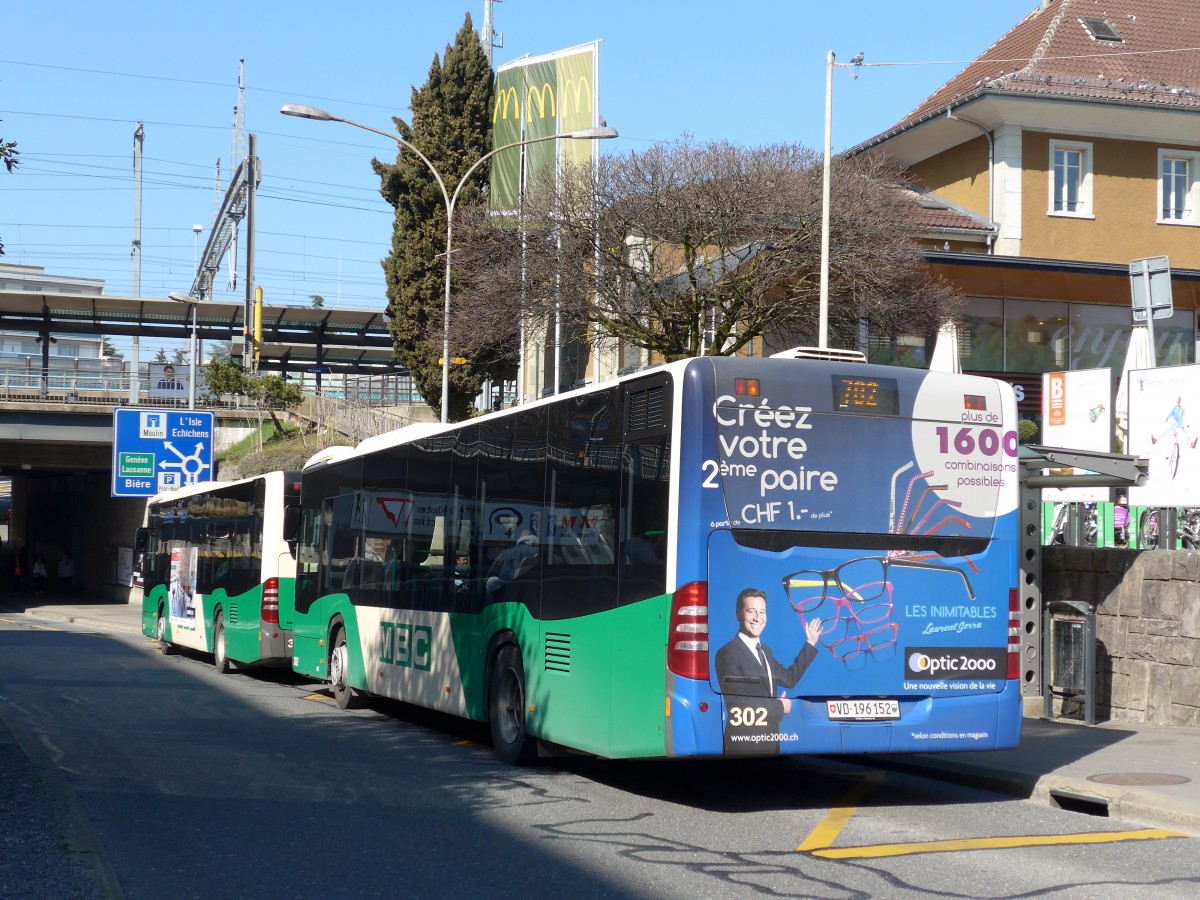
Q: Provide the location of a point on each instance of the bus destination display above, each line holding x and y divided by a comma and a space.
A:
871, 396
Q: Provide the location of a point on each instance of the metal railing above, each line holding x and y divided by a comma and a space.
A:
353, 419
355, 406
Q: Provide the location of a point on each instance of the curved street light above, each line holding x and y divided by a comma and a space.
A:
582, 134
195, 367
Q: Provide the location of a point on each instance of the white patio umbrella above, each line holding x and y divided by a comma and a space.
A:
945, 350
1136, 357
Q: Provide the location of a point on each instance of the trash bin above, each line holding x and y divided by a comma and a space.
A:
1069, 655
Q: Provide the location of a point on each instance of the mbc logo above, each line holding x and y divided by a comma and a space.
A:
407, 646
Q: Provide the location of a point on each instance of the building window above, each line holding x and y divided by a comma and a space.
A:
1070, 179
1177, 187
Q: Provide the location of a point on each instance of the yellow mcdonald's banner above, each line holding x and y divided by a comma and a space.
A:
576, 103
537, 97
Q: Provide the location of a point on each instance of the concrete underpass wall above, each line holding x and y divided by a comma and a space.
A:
76, 513
1147, 628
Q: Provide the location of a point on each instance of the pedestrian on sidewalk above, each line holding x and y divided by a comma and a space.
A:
39, 574
18, 568
66, 573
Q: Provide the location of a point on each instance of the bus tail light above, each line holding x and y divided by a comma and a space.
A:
687, 642
1014, 635
270, 601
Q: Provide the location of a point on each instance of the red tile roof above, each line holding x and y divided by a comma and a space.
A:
1051, 53
934, 214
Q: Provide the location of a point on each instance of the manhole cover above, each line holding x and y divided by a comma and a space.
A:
1139, 779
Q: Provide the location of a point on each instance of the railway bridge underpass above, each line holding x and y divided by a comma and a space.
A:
56, 413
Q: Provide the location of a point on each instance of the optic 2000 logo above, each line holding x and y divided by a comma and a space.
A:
942, 663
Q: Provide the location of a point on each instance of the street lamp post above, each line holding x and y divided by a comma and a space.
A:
195, 367
583, 134
823, 315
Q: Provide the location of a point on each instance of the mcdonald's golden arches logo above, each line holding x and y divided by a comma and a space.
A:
574, 90
540, 97
505, 96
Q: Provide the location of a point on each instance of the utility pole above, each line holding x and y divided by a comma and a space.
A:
252, 178
138, 134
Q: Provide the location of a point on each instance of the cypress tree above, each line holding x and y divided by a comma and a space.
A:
451, 125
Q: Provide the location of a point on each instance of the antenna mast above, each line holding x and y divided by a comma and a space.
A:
239, 154
489, 36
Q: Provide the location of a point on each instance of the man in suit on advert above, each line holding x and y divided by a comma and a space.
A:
753, 681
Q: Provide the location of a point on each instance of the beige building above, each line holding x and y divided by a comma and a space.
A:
1065, 151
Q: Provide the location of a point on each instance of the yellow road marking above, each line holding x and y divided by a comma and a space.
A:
835, 820
9, 621
993, 843
322, 697
819, 842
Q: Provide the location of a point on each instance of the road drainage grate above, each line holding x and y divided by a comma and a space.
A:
1080, 803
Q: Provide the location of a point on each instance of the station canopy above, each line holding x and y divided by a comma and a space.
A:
294, 338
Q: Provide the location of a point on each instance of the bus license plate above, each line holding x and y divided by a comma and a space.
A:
864, 710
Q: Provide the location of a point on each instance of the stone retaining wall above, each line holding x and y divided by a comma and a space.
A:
1147, 629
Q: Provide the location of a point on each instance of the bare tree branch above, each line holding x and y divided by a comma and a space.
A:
692, 248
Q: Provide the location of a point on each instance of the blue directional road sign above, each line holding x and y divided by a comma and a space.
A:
160, 450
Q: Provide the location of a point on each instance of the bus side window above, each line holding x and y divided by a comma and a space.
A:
644, 532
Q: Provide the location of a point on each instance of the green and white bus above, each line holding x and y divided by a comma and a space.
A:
594, 571
218, 575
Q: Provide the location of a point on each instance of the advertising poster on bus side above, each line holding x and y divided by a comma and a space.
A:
181, 593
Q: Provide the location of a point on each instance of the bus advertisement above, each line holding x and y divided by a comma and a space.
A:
869, 516
596, 571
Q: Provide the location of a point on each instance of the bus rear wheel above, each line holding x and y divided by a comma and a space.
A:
220, 659
165, 647
339, 672
506, 708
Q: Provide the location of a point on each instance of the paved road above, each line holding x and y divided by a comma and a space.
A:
180, 770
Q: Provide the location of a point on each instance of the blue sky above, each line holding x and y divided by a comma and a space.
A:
76, 78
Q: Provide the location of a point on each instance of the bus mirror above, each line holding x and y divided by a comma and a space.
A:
291, 524
139, 540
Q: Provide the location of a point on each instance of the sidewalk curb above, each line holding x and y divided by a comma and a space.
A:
73, 617
1112, 801
1128, 804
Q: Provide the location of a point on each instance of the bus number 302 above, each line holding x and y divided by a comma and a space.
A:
748, 715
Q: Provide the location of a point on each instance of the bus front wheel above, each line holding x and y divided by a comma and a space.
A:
220, 659
165, 647
339, 672
506, 708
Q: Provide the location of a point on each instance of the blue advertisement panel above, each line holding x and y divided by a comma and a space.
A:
158, 450
856, 527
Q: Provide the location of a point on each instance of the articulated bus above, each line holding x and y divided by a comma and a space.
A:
720, 556
218, 574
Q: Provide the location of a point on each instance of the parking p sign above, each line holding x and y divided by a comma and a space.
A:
160, 450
